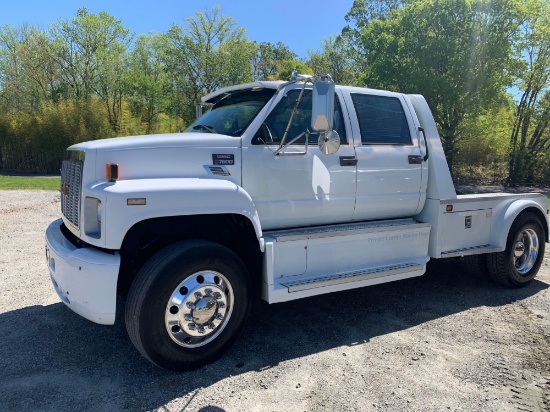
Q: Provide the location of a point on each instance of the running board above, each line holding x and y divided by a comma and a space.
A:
315, 260
357, 275
475, 250
347, 229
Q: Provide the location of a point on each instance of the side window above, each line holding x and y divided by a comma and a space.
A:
273, 128
381, 120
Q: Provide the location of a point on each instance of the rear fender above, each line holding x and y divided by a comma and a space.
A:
505, 215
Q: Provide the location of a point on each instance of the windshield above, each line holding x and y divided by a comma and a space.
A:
232, 113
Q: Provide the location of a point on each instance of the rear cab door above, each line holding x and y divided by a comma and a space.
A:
391, 170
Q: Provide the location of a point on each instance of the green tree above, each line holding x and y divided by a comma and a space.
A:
112, 81
91, 49
267, 61
483, 147
148, 80
361, 15
334, 59
28, 73
530, 137
457, 53
364, 12
286, 67
210, 52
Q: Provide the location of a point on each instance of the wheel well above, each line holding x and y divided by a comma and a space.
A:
149, 236
542, 218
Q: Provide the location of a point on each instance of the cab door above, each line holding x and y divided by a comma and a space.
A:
300, 187
389, 156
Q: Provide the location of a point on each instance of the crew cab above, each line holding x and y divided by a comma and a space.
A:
280, 191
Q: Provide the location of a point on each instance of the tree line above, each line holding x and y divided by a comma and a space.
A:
483, 66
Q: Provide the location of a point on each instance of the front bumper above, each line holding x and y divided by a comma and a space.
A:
84, 278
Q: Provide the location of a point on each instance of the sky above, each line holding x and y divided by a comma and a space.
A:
301, 25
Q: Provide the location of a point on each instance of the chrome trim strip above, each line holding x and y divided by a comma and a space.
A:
215, 170
475, 250
489, 196
357, 275
344, 230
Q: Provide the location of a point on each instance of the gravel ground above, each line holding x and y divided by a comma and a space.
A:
444, 341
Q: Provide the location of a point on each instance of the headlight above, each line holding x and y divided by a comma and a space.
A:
92, 217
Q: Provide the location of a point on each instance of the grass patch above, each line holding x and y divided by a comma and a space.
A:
29, 183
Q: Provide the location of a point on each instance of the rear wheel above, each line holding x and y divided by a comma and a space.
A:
187, 304
477, 265
518, 265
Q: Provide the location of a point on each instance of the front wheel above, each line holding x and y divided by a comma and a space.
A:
187, 304
518, 265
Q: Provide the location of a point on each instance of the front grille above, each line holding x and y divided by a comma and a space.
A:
71, 185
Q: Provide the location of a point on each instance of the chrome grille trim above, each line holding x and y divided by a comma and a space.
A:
217, 170
71, 186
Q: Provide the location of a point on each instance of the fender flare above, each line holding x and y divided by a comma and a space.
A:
173, 197
507, 213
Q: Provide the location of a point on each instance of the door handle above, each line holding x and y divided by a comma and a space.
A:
415, 160
348, 161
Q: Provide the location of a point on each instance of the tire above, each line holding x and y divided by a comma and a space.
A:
518, 265
188, 304
477, 265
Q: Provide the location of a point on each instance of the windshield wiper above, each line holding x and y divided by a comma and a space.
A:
209, 129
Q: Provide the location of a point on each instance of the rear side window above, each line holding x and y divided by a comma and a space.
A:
381, 120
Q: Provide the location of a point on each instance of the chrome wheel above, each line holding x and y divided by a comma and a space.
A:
199, 309
519, 263
526, 250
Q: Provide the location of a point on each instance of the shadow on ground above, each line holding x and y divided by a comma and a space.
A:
53, 359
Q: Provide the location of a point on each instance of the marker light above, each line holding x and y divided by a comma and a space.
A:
449, 208
111, 172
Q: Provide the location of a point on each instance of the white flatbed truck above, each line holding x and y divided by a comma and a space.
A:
280, 191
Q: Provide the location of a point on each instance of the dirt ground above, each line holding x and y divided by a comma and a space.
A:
444, 341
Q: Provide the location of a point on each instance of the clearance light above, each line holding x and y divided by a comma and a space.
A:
136, 201
111, 172
449, 208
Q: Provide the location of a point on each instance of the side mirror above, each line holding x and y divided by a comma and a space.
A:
322, 114
200, 109
322, 106
329, 142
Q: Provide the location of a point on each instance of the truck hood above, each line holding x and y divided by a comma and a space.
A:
163, 156
174, 140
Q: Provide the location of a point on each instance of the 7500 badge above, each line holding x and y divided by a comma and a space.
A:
223, 159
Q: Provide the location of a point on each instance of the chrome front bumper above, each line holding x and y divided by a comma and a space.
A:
84, 278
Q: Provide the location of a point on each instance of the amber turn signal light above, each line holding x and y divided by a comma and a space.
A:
111, 172
449, 208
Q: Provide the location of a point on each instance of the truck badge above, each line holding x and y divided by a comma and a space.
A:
223, 159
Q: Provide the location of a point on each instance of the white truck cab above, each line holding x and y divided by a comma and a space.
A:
279, 191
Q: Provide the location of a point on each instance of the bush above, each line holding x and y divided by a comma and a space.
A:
35, 142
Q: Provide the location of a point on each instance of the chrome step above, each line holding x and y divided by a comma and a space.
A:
342, 230
475, 250
357, 275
